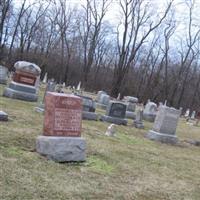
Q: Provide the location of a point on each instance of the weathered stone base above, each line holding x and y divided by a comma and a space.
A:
101, 106
20, 95
138, 124
130, 115
114, 120
3, 116
149, 117
165, 138
89, 115
62, 149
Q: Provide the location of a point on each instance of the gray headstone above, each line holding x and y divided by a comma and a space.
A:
104, 99
131, 107
116, 109
3, 74
131, 99
150, 111
193, 115
138, 121
165, 125
115, 113
99, 95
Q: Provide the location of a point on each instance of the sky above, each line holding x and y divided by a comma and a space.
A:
113, 14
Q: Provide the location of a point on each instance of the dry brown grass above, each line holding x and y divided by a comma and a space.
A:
128, 166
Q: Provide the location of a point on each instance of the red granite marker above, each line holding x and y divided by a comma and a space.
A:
63, 115
24, 78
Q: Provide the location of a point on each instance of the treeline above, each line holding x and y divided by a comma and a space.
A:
143, 53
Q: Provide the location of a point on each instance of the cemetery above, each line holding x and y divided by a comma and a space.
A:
61, 153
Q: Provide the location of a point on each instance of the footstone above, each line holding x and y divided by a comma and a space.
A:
130, 115
89, 116
62, 149
3, 116
165, 138
114, 120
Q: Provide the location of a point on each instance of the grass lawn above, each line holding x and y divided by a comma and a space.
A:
127, 166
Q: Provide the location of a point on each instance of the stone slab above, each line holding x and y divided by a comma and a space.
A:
130, 115
22, 88
89, 116
164, 138
20, 95
62, 149
3, 116
114, 120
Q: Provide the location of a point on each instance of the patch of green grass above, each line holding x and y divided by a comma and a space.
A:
99, 165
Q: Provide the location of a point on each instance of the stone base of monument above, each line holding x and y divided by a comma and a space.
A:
114, 120
161, 137
89, 116
149, 117
3, 116
130, 115
15, 94
138, 124
101, 106
62, 149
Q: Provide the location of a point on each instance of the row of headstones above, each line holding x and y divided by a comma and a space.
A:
61, 140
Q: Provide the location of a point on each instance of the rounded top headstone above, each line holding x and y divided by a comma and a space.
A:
27, 67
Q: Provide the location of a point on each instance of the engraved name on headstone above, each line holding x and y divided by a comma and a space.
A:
63, 115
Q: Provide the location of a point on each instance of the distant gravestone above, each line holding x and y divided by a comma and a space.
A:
89, 108
165, 124
25, 82
61, 140
130, 110
99, 95
103, 102
131, 99
150, 111
138, 123
51, 86
115, 113
193, 115
3, 75
3, 116
45, 78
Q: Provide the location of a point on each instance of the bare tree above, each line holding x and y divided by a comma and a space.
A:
137, 25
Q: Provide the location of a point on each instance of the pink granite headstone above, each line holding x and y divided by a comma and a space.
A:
63, 115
